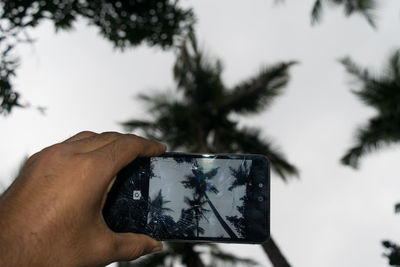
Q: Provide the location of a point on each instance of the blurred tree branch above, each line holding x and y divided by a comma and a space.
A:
199, 119
124, 23
393, 253
381, 92
363, 7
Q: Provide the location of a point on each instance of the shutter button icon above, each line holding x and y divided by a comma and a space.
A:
137, 194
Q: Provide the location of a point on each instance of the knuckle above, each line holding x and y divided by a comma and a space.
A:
54, 152
110, 135
32, 158
115, 149
85, 133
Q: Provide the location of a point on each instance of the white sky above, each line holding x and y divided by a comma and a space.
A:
332, 215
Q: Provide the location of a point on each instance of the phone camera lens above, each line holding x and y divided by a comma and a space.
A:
260, 185
260, 199
137, 194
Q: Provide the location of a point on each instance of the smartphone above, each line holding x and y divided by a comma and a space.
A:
193, 198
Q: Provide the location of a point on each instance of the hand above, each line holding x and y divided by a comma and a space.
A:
52, 214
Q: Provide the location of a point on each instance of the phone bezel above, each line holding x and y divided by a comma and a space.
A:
264, 220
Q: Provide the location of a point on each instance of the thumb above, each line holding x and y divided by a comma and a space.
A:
131, 246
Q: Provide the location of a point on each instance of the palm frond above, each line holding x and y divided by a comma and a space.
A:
365, 8
158, 101
316, 12
132, 125
196, 121
248, 140
219, 257
198, 76
380, 131
393, 68
397, 208
392, 252
380, 92
258, 92
354, 69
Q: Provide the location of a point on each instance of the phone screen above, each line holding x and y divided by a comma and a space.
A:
201, 195
192, 197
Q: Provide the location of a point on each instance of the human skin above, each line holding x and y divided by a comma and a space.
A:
52, 213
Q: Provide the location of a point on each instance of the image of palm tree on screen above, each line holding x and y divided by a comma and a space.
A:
200, 181
241, 176
194, 198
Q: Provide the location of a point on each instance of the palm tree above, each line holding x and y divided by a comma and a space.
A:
196, 212
159, 223
185, 253
241, 179
200, 183
381, 92
362, 7
199, 117
393, 254
124, 23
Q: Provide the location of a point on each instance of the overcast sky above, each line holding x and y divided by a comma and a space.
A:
332, 215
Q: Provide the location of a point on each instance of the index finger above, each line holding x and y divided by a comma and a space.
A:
125, 149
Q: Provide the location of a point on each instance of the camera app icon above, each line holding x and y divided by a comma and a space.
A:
137, 194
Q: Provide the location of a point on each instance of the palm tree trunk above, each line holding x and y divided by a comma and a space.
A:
190, 257
274, 254
221, 221
271, 249
197, 224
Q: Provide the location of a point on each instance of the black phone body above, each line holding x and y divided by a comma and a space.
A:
193, 197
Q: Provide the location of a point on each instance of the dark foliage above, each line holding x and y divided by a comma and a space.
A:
200, 183
159, 223
200, 121
162, 225
381, 92
241, 175
363, 7
8, 65
191, 216
393, 253
199, 118
185, 253
239, 222
124, 23
241, 178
